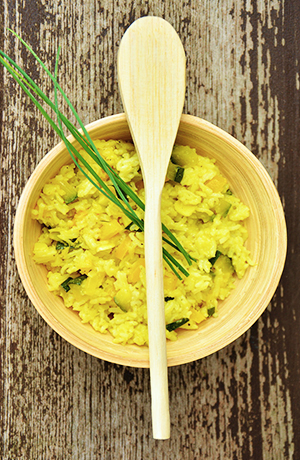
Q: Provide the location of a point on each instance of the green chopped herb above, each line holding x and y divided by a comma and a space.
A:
78, 280
214, 259
169, 298
175, 172
65, 284
179, 174
211, 311
229, 192
60, 245
180, 322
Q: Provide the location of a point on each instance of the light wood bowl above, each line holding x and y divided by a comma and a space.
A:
267, 242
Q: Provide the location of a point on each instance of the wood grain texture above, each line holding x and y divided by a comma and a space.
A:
240, 403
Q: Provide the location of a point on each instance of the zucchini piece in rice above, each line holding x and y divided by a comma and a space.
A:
118, 302
214, 259
223, 268
223, 207
123, 299
70, 194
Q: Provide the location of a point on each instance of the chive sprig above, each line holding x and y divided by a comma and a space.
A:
123, 190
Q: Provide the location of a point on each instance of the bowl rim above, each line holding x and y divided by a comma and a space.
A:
184, 358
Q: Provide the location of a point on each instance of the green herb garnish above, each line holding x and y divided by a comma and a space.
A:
179, 174
175, 172
180, 322
60, 245
119, 196
169, 298
123, 191
78, 280
211, 311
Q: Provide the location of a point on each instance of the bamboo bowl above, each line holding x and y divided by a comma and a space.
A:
267, 242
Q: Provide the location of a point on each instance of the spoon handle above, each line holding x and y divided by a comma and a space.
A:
156, 317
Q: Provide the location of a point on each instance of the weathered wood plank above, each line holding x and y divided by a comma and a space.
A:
242, 402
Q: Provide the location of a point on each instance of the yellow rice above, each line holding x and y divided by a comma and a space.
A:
201, 212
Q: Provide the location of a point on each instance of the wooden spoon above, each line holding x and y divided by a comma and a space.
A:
151, 74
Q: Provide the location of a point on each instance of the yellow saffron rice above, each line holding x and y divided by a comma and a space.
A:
87, 237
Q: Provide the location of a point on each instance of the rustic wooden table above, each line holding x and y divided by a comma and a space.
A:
59, 403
